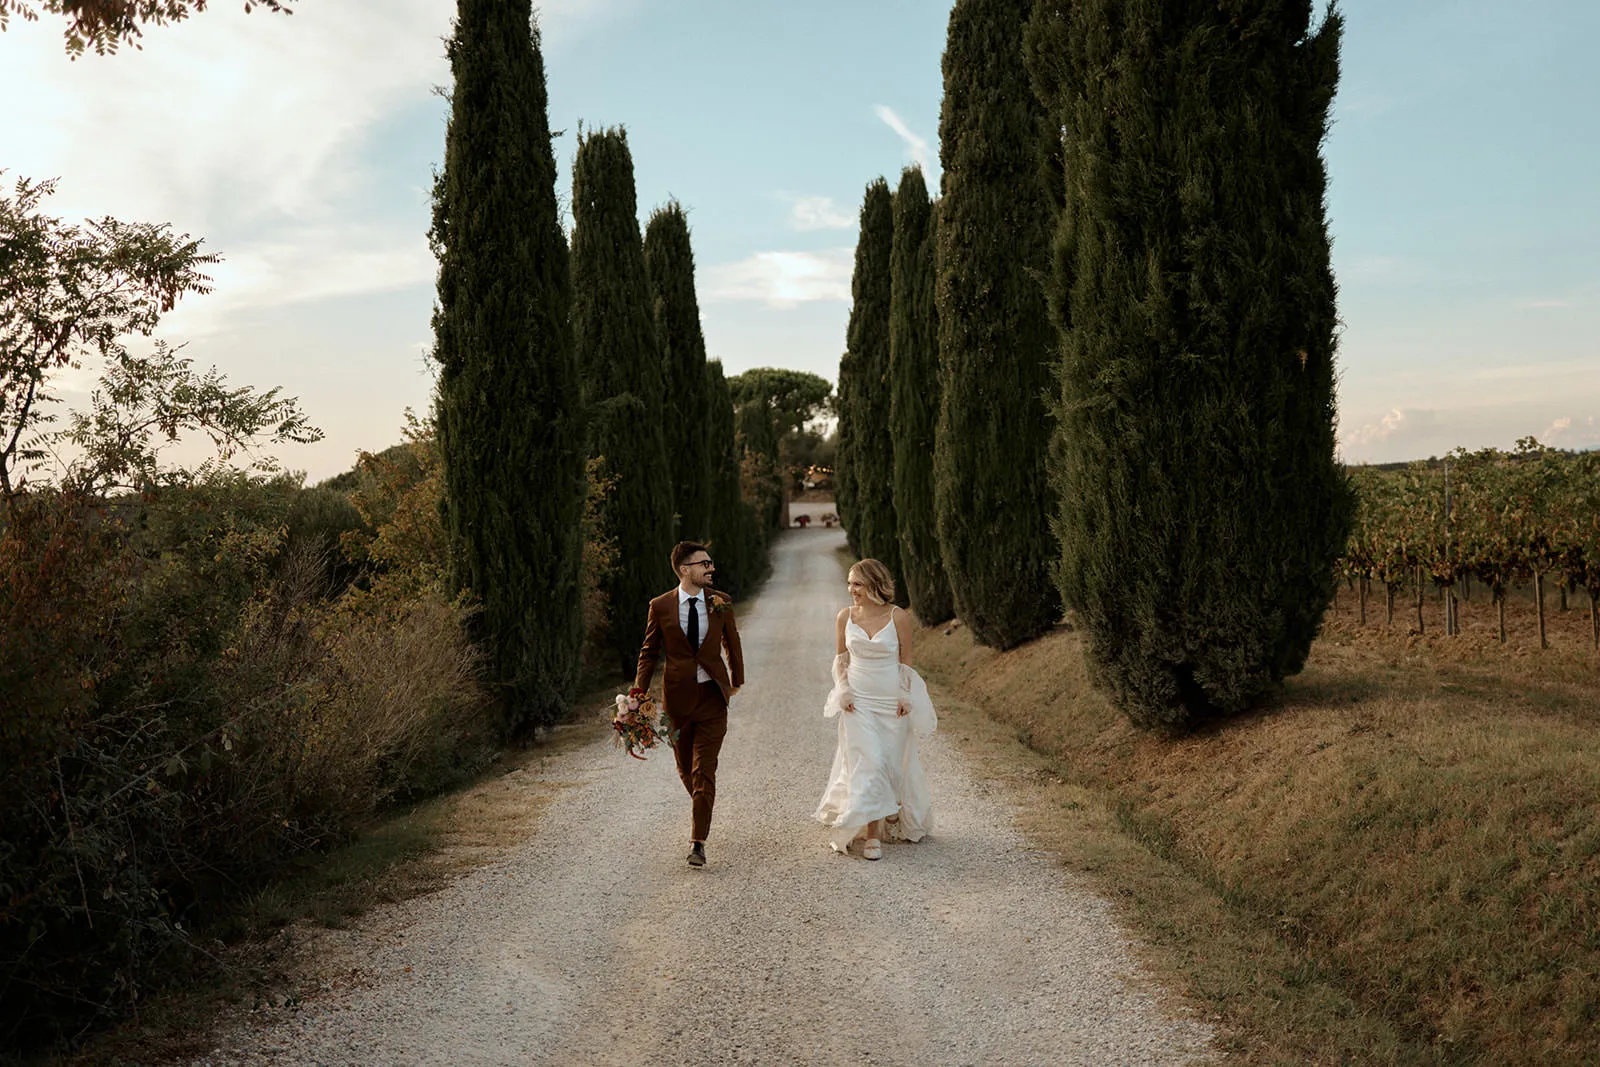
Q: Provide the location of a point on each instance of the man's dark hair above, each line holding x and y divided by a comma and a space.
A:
683, 550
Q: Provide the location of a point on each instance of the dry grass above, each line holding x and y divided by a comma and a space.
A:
1400, 863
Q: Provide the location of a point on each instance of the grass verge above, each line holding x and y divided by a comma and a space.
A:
1400, 863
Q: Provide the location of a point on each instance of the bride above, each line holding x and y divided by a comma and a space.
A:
877, 788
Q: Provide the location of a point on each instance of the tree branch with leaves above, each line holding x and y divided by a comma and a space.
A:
103, 25
74, 292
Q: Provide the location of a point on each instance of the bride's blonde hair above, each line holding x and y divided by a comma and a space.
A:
877, 579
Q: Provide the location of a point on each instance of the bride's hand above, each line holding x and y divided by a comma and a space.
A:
902, 709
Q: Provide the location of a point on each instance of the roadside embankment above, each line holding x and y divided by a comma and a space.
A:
1398, 863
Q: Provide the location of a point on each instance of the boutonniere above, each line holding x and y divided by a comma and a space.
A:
720, 603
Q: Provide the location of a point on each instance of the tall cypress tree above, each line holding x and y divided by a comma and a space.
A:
614, 325
509, 418
844, 470
914, 398
872, 447
995, 341
737, 542
1201, 507
670, 261
763, 474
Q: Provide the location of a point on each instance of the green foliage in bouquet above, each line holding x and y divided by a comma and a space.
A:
1201, 510
993, 500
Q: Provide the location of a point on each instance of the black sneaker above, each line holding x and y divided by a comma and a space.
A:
697, 854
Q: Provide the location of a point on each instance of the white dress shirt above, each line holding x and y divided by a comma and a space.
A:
700, 674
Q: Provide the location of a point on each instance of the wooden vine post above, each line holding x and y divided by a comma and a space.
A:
1421, 629
1538, 599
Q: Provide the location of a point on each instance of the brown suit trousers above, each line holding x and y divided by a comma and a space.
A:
699, 743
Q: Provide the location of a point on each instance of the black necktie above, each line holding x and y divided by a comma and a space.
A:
694, 623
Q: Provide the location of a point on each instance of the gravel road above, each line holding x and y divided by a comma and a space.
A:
594, 943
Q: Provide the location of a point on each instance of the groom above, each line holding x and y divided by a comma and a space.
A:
689, 627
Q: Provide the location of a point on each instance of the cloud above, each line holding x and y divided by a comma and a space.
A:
299, 267
224, 117
1543, 304
272, 137
1567, 432
784, 279
916, 147
1412, 433
1397, 422
1379, 270
819, 213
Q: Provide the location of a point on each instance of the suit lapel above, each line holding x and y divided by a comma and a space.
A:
670, 623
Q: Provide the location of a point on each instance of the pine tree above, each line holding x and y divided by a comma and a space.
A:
1201, 509
737, 543
669, 258
995, 342
614, 325
508, 412
872, 447
914, 398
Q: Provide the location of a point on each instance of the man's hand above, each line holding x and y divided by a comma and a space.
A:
733, 691
902, 709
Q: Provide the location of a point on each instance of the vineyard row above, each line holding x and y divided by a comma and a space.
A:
1502, 520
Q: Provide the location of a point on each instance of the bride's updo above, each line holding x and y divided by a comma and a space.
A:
876, 578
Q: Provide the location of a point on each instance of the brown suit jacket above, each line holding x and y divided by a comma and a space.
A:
665, 640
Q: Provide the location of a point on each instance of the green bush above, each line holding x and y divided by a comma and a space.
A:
185, 708
318, 519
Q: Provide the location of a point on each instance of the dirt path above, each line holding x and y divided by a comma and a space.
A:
594, 943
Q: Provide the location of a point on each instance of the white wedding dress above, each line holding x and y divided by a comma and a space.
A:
877, 772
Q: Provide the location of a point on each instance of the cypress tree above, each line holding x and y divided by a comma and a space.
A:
736, 540
844, 472
1201, 507
872, 448
669, 259
614, 325
509, 420
996, 345
758, 441
914, 398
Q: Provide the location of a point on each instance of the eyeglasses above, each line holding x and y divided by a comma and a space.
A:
699, 563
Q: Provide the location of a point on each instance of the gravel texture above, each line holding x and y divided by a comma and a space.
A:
594, 942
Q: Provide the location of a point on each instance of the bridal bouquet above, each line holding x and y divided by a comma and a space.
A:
640, 726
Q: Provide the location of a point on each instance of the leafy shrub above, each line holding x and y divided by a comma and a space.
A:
318, 519
185, 706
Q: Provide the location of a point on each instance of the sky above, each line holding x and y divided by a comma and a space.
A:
1463, 162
